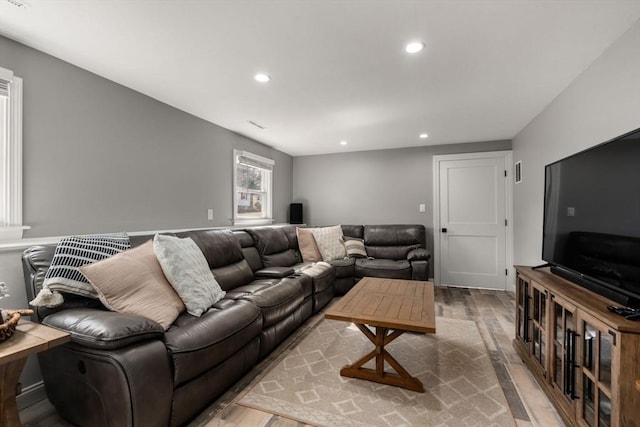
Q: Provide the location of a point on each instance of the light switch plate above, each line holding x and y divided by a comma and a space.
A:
422, 207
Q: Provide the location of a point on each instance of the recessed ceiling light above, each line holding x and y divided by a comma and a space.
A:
414, 47
262, 78
343, 142
424, 136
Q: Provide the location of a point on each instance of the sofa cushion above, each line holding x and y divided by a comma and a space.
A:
249, 250
393, 241
419, 254
274, 248
103, 329
188, 272
344, 267
132, 282
330, 243
392, 269
71, 253
220, 247
276, 298
233, 275
322, 274
274, 272
196, 344
356, 231
307, 244
394, 235
224, 255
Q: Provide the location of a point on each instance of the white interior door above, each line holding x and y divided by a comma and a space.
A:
472, 229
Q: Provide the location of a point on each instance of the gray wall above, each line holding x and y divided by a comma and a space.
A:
99, 157
374, 187
603, 102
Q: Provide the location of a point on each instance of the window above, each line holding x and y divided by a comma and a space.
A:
253, 189
10, 156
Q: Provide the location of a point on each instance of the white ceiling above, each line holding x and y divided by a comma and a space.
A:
338, 68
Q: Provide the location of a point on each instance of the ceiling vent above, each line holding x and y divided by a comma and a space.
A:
18, 3
256, 125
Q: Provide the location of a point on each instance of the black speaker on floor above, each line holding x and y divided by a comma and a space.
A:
295, 213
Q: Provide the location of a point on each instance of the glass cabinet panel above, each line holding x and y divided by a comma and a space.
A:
604, 414
588, 401
522, 310
597, 347
589, 347
604, 369
539, 347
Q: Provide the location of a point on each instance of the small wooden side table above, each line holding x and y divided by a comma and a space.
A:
29, 338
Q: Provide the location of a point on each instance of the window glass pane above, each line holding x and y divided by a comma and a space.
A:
252, 187
249, 177
250, 204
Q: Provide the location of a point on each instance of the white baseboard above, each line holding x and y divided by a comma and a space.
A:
31, 395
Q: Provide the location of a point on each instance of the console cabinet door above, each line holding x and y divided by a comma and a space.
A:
597, 354
523, 310
563, 339
538, 345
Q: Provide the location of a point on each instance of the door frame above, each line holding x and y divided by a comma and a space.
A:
507, 156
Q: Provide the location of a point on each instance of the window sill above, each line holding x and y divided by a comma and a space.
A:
250, 222
12, 233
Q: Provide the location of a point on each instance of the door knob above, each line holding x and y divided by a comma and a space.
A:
444, 230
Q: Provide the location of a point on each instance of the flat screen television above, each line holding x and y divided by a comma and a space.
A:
591, 232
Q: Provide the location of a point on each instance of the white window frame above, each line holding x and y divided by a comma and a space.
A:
11, 226
267, 217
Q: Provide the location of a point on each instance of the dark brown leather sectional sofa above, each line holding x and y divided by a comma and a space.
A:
125, 370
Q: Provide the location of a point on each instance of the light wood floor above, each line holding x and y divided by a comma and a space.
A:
493, 312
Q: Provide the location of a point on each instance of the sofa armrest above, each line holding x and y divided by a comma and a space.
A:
274, 272
419, 254
105, 330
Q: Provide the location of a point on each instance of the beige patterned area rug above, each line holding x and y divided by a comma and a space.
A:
461, 387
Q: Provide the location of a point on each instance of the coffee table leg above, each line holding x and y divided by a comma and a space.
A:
380, 339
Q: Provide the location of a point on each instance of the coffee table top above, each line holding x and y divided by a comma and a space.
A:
391, 303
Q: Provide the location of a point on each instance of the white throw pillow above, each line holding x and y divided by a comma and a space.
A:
186, 268
330, 243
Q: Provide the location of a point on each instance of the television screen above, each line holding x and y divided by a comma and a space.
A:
591, 231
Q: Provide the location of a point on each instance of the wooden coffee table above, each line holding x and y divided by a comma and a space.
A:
391, 307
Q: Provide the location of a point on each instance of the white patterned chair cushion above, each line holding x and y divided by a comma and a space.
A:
330, 243
186, 268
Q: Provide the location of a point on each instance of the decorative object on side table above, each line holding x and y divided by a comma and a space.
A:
28, 338
9, 318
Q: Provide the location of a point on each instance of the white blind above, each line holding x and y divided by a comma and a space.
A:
253, 160
4, 87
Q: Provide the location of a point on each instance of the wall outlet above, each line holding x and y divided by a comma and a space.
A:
210, 214
422, 208
571, 211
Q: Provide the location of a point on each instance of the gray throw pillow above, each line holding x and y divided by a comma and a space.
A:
186, 268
